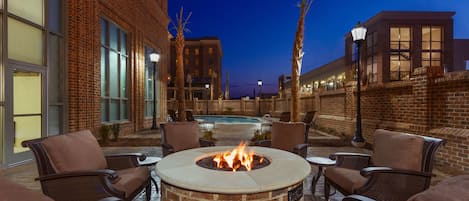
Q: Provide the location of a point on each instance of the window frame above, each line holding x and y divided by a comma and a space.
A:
123, 99
371, 53
431, 51
400, 52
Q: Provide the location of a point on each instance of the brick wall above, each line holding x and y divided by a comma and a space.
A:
146, 24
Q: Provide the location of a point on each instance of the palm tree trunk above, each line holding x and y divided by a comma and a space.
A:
297, 61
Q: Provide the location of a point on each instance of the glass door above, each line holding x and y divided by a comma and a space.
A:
26, 119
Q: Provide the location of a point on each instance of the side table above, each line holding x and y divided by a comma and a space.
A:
320, 162
151, 161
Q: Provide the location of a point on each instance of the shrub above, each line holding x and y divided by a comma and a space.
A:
104, 132
261, 136
115, 131
208, 135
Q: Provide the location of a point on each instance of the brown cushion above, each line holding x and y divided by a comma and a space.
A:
286, 135
182, 135
131, 179
10, 191
397, 150
74, 152
348, 179
451, 189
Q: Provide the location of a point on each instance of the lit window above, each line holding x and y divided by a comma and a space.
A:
400, 57
197, 61
186, 51
372, 58
186, 61
432, 42
210, 50
196, 51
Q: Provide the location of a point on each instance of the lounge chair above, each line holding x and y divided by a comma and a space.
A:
178, 136
400, 167
288, 136
73, 167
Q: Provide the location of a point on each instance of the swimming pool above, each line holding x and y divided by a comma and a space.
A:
226, 119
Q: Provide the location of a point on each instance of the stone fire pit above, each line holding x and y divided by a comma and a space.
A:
182, 179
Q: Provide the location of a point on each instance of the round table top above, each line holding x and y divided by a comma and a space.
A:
179, 169
320, 161
150, 161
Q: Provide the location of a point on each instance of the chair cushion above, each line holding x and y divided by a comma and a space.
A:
10, 191
131, 179
182, 135
451, 189
398, 150
348, 179
74, 152
286, 136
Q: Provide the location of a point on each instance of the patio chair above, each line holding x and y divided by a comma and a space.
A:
450, 189
178, 136
73, 167
288, 136
400, 167
308, 119
189, 116
285, 117
173, 115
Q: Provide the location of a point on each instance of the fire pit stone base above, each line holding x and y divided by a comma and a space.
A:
174, 193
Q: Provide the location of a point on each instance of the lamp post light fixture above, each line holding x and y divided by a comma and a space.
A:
154, 58
358, 35
259, 83
207, 87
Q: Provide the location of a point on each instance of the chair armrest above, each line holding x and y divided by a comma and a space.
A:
384, 183
206, 143
124, 161
167, 149
301, 150
107, 173
369, 171
93, 185
357, 198
263, 143
356, 161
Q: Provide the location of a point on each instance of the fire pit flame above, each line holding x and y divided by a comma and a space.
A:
236, 158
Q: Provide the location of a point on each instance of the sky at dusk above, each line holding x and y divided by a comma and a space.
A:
257, 35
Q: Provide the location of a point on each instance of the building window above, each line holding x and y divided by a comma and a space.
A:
467, 64
114, 58
210, 50
432, 41
149, 79
196, 51
372, 59
400, 58
186, 51
197, 62
186, 61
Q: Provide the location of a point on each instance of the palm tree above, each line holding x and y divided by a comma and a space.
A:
179, 44
297, 60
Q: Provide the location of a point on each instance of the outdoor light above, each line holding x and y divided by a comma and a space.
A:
207, 86
154, 58
259, 83
358, 34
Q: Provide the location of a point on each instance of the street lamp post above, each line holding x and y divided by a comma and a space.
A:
359, 35
259, 83
207, 87
154, 58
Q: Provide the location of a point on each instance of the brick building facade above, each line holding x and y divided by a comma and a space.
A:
202, 65
73, 65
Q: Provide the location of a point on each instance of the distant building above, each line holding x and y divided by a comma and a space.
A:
202, 65
396, 44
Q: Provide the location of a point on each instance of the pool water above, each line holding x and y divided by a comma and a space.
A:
226, 119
